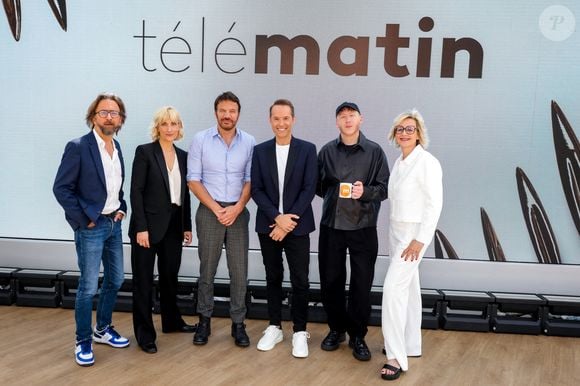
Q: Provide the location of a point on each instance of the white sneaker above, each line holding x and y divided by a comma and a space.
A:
300, 344
272, 336
109, 336
84, 353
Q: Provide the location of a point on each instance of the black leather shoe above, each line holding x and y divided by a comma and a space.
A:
187, 328
239, 334
360, 349
203, 331
332, 340
149, 348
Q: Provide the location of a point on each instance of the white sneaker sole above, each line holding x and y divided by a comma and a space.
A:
270, 347
299, 355
84, 363
109, 343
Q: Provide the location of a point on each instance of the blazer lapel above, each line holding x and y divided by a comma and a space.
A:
292, 157
158, 153
183, 171
96, 154
121, 160
272, 164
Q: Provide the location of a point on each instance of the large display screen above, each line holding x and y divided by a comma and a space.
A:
496, 81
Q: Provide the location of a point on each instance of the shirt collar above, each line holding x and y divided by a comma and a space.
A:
215, 132
361, 143
414, 154
101, 142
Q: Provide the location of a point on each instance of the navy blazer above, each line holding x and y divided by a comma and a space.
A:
150, 195
300, 181
80, 186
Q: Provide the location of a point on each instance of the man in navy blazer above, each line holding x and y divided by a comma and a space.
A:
284, 176
88, 185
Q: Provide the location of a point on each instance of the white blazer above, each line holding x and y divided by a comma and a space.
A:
416, 192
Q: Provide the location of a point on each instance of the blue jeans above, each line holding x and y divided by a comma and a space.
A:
104, 243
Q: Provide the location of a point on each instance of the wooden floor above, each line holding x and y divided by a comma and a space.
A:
37, 344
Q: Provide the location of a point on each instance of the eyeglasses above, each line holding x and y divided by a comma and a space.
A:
105, 113
408, 129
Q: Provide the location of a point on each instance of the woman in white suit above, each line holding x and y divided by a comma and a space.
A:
416, 198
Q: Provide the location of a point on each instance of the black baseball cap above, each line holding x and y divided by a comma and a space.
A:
347, 105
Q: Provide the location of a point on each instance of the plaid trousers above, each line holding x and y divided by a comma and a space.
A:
211, 237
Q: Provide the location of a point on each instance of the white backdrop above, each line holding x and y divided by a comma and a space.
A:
481, 128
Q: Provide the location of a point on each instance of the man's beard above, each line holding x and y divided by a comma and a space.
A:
227, 125
108, 130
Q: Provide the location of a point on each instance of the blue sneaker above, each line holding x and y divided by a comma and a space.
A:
84, 353
109, 336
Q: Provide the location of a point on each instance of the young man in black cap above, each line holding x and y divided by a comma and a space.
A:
353, 178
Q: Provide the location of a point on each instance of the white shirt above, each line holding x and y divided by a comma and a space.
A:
416, 192
175, 182
281, 160
113, 175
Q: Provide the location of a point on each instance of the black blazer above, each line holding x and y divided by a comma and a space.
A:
150, 197
300, 181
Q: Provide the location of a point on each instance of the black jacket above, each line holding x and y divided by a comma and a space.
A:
366, 162
150, 199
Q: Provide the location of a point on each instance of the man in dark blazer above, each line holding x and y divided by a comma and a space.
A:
160, 224
284, 176
88, 186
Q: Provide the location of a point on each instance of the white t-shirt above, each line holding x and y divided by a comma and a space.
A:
281, 160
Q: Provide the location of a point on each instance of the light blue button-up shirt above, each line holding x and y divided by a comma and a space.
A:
222, 170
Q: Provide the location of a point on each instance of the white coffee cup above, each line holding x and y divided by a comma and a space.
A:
345, 190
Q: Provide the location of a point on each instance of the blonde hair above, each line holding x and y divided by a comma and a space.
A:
415, 115
166, 113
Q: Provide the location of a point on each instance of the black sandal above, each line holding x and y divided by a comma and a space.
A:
391, 377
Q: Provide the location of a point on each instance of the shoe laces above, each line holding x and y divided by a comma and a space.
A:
85, 346
272, 330
111, 331
302, 333
334, 334
360, 343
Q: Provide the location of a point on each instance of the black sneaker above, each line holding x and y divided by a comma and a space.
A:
332, 340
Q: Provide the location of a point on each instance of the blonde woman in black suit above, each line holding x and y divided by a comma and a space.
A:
160, 224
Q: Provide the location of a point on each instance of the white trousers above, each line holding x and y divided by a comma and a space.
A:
402, 309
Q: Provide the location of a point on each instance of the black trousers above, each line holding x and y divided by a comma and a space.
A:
297, 250
168, 252
362, 245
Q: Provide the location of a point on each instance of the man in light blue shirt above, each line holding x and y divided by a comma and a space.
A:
218, 174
